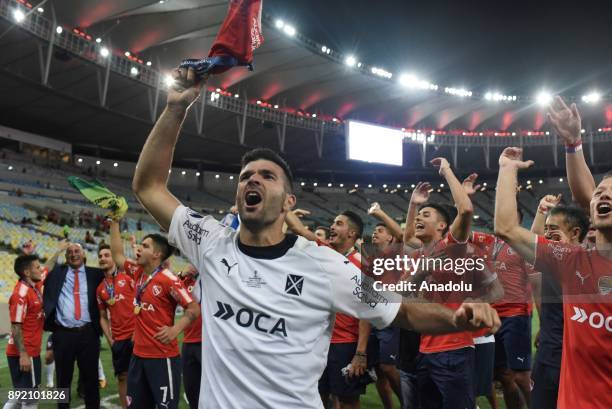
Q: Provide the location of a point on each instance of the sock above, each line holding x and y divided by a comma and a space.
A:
101, 375
49, 370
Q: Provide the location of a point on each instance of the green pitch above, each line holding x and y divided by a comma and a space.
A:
110, 398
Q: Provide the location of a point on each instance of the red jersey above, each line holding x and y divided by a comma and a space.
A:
193, 333
346, 328
121, 310
512, 271
158, 301
586, 280
26, 308
457, 340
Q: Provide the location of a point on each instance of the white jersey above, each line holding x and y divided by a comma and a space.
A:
268, 313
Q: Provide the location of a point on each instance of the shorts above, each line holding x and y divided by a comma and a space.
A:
22, 379
332, 381
50, 342
122, 354
545, 386
446, 379
385, 346
513, 343
154, 382
484, 363
191, 362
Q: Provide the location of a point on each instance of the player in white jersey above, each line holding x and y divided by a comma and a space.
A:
268, 299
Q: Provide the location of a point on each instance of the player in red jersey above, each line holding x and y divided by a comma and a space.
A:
349, 341
191, 350
446, 367
154, 370
586, 283
115, 297
27, 319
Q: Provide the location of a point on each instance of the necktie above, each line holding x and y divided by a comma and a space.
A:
77, 298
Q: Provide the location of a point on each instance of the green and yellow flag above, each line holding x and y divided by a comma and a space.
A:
98, 194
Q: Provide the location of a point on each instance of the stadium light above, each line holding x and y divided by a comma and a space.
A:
356, 186
98, 162
412, 186
104, 52
18, 15
217, 176
329, 185
399, 186
279, 24
127, 53
544, 98
591, 98
302, 184
350, 61
134, 71
276, 106
231, 177
341, 184
289, 30
384, 186
10, 168
183, 173
98, 40
561, 180
370, 186
59, 29
198, 174
40, 10
168, 80
115, 164
149, 63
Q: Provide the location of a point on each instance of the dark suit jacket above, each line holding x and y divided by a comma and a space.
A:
53, 288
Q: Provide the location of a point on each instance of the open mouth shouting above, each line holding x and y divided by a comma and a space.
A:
252, 199
603, 209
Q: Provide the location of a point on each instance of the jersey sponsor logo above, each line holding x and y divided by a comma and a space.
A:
294, 284
559, 251
246, 318
228, 265
605, 285
595, 319
194, 231
156, 290
146, 306
255, 281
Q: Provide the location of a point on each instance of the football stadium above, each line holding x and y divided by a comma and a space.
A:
254, 204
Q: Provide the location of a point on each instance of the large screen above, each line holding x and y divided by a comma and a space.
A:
374, 143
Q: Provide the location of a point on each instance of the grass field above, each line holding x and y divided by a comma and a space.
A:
110, 399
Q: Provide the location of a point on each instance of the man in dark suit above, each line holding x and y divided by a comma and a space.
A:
71, 313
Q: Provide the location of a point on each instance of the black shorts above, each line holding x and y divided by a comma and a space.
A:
484, 363
24, 379
191, 362
446, 379
545, 388
122, 354
332, 381
385, 346
154, 382
513, 343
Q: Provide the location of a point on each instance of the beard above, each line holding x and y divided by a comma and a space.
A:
263, 218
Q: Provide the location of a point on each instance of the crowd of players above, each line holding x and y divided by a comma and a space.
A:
282, 312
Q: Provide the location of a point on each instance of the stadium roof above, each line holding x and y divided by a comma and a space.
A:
290, 71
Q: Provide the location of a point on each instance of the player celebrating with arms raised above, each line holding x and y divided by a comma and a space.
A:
269, 298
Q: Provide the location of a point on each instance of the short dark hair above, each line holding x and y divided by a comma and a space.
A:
161, 243
270, 155
355, 220
22, 263
447, 212
103, 246
574, 217
325, 229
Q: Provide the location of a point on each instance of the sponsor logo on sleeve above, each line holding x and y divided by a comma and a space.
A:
194, 231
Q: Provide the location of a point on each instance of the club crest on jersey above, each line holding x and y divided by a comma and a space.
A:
156, 290
121, 283
294, 284
605, 285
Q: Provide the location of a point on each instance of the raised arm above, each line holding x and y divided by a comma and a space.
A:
295, 224
547, 203
116, 244
150, 182
376, 211
420, 195
567, 124
460, 229
507, 226
61, 248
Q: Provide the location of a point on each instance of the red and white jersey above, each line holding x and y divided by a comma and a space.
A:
454, 341
193, 332
26, 308
158, 303
346, 328
512, 271
121, 310
586, 280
